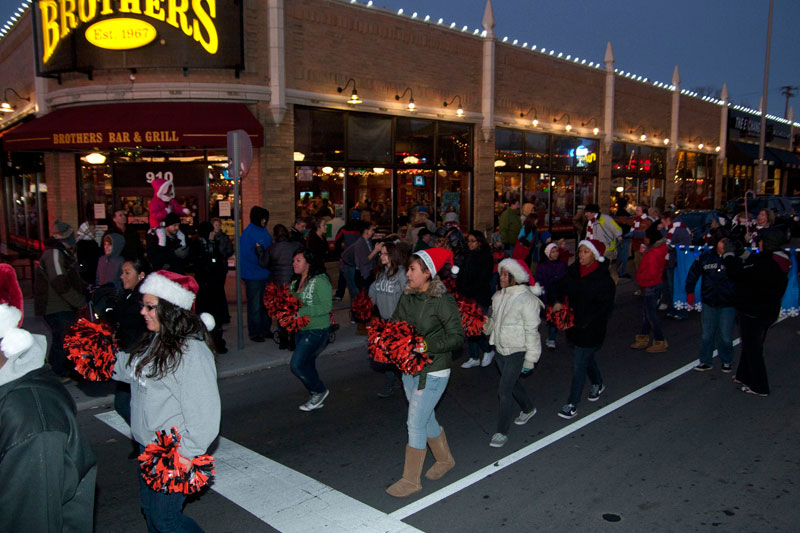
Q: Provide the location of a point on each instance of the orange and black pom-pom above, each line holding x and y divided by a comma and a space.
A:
162, 471
287, 314
563, 319
472, 317
92, 348
274, 296
398, 343
362, 307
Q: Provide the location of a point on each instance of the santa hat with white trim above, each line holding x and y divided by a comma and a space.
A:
177, 289
435, 258
597, 248
521, 272
14, 339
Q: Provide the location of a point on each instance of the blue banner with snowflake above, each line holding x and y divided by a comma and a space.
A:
686, 255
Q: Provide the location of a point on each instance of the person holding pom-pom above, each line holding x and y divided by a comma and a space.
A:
173, 384
427, 306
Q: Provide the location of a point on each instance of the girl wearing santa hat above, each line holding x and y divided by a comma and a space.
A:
590, 291
513, 330
173, 382
433, 312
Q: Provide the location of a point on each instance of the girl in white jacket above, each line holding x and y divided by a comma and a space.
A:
513, 329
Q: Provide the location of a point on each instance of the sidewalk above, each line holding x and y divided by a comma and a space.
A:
254, 356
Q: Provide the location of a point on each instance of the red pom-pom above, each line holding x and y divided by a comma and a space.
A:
163, 472
287, 313
563, 319
450, 284
472, 317
274, 296
92, 348
362, 307
398, 343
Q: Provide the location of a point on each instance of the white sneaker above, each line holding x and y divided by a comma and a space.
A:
498, 440
663, 307
471, 363
637, 292
551, 344
315, 402
487, 359
523, 417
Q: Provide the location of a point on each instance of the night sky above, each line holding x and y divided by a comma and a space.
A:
712, 41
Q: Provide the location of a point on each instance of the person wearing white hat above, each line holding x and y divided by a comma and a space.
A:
46, 464
433, 312
173, 381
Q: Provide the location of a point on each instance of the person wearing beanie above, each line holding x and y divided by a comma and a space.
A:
718, 313
255, 276
310, 285
173, 379
433, 312
588, 289
46, 464
474, 283
548, 272
58, 292
760, 283
513, 329
649, 276
166, 246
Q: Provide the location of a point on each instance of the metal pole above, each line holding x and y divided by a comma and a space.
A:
236, 233
762, 168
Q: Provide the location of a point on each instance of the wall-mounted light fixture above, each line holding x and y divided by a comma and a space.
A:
596, 130
535, 120
95, 158
5, 106
411, 105
568, 127
691, 142
643, 136
459, 110
354, 99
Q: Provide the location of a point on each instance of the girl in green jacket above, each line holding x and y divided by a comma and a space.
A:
433, 312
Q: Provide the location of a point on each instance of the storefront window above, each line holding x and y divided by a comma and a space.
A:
454, 144
508, 149
318, 135
694, 181
563, 202
414, 189
506, 188
97, 193
452, 192
369, 190
369, 139
314, 185
414, 142
537, 193
26, 200
537, 151
637, 175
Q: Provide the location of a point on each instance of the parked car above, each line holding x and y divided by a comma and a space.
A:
698, 222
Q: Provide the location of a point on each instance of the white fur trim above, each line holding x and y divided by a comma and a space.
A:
208, 320
587, 243
9, 318
513, 267
537, 289
455, 270
161, 287
15, 341
426, 258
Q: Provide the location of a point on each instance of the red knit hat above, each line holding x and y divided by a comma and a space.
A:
597, 248
14, 339
436, 258
177, 289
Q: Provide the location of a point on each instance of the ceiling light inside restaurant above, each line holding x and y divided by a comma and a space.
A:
95, 158
299, 156
327, 170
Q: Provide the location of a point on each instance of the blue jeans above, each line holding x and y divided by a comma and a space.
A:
309, 344
552, 331
717, 330
669, 294
650, 296
422, 423
583, 364
349, 274
164, 512
478, 346
59, 323
623, 252
258, 322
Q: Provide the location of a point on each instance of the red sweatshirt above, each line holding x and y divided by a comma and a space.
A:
651, 270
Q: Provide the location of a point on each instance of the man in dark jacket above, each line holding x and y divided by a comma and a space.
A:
255, 276
133, 243
167, 248
760, 283
718, 313
589, 290
298, 232
47, 467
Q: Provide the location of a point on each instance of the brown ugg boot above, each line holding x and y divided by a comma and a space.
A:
444, 459
409, 484
658, 347
641, 342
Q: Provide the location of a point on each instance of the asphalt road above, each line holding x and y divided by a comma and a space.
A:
693, 454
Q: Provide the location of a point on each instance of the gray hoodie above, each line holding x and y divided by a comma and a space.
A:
109, 267
186, 398
385, 292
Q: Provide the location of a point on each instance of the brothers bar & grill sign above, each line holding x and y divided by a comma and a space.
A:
87, 35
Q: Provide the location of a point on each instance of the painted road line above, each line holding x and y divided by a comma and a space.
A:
532, 448
294, 502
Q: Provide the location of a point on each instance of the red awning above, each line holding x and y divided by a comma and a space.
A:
143, 124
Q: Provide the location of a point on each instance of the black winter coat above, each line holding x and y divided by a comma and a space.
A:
716, 287
475, 276
591, 298
278, 260
760, 283
127, 317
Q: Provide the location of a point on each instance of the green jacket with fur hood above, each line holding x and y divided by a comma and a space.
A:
434, 314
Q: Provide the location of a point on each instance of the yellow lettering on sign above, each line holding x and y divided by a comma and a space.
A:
120, 34
153, 9
130, 6
68, 20
107, 9
176, 11
50, 34
87, 9
210, 42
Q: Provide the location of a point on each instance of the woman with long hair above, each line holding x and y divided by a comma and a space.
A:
310, 285
474, 282
316, 241
173, 382
385, 292
433, 312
